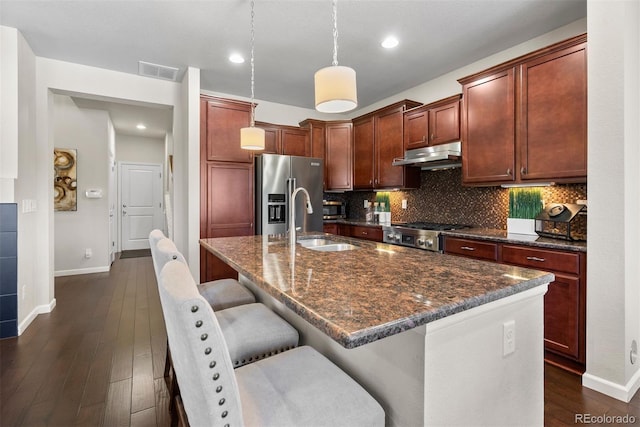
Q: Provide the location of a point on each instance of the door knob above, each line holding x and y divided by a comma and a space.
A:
124, 213
124, 206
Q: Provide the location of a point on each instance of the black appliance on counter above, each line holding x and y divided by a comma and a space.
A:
333, 210
562, 221
420, 235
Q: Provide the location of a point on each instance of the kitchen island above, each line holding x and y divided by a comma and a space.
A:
435, 339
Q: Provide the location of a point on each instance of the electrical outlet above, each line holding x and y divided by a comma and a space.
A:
366, 203
404, 203
508, 337
88, 253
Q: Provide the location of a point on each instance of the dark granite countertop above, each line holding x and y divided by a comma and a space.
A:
503, 237
378, 290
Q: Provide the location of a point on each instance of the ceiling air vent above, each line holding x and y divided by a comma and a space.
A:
157, 71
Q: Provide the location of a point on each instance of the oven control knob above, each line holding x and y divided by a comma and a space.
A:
391, 236
429, 243
421, 242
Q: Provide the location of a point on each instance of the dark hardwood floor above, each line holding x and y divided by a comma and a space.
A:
98, 360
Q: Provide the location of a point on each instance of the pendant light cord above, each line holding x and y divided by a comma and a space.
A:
253, 112
335, 33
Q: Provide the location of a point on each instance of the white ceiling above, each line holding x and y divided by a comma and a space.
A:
293, 38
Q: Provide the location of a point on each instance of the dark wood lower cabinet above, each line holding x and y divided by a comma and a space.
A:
226, 209
564, 302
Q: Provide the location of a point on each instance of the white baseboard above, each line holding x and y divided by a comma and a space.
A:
621, 392
75, 272
41, 309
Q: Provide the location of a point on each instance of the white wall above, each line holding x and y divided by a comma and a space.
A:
140, 149
18, 173
87, 131
281, 114
447, 84
613, 270
73, 79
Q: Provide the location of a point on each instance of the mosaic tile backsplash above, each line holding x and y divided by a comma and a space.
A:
442, 198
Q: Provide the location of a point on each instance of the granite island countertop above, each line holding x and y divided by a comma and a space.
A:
377, 290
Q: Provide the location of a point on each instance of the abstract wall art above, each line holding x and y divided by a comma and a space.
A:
64, 181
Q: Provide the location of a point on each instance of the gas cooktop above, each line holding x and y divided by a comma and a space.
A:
420, 235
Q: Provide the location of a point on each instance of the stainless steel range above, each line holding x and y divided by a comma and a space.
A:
420, 235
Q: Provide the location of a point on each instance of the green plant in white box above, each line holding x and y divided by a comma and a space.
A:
524, 205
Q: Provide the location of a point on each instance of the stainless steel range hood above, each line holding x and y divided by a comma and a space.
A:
443, 156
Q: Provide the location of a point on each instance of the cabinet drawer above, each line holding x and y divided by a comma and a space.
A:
471, 248
542, 259
368, 233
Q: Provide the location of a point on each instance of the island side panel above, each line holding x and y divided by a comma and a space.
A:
468, 379
390, 369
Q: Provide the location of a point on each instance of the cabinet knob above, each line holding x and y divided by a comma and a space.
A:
433, 137
523, 170
509, 171
424, 138
467, 248
534, 258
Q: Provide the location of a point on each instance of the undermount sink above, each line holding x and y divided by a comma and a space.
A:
325, 245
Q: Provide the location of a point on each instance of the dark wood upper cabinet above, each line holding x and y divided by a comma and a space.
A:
338, 160
488, 129
221, 121
553, 122
363, 153
432, 124
296, 142
377, 140
281, 139
526, 120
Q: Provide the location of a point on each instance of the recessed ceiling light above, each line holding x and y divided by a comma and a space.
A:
236, 58
141, 126
390, 42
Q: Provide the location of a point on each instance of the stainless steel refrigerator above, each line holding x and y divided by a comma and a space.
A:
276, 177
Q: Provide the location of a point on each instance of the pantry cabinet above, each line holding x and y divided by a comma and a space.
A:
377, 141
432, 124
226, 179
526, 120
564, 302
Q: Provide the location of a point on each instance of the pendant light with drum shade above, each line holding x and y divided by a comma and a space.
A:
252, 138
335, 86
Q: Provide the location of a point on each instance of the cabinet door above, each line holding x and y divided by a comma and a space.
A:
330, 227
295, 142
318, 141
272, 143
388, 146
488, 129
562, 316
226, 208
444, 124
338, 164
222, 124
416, 123
363, 154
553, 123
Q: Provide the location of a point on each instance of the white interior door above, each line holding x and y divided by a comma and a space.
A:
141, 203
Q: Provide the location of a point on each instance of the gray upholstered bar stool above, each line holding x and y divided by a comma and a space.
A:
252, 331
299, 387
221, 294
